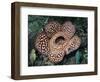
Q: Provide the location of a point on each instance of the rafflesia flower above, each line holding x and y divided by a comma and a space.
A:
57, 40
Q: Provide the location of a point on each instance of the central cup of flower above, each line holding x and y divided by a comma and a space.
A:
60, 40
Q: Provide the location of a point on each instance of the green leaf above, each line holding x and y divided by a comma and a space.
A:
78, 57
32, 56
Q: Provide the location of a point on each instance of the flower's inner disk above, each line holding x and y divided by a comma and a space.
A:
60, 40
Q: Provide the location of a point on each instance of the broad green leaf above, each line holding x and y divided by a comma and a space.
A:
78, 56
32, 56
